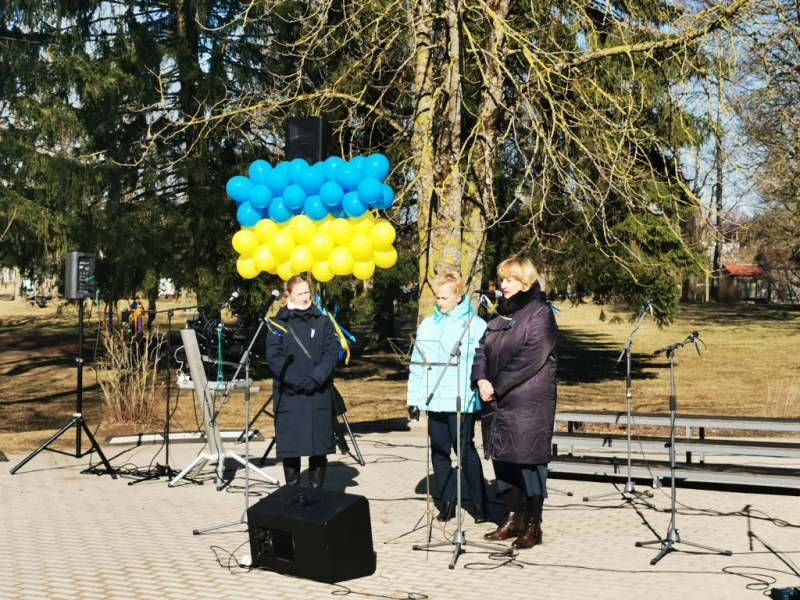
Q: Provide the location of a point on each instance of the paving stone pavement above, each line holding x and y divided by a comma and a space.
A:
81, 536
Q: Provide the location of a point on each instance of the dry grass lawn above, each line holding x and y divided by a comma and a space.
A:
751, 368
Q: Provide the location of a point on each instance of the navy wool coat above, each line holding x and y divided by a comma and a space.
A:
517, 354
303, 421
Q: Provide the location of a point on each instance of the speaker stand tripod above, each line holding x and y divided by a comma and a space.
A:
77, 417
629, 491
459, 541
673, 536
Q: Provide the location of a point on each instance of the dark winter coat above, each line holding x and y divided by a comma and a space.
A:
517, 354
303, 421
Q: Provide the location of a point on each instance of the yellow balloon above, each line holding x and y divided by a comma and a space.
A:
284, 271
265, 229
382, 235
245, 242
247, 268
340, 231
341, 261
325, 224
363, 223
360, 247
363, 270
264, 260
321, 245
301, 227
301, 259
322, 272
385, 258
281, 245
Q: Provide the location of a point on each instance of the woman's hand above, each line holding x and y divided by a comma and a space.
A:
486, 390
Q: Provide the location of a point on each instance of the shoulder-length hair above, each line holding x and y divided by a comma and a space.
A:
520, 269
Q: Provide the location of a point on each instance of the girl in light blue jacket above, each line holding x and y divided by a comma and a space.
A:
436, 340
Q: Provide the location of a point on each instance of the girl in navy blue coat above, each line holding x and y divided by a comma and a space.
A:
302, 352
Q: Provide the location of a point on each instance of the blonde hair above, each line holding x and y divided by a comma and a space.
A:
520, 269
452, 279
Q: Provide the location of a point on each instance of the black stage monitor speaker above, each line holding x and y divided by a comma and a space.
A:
79, 276
315, 534
308, 138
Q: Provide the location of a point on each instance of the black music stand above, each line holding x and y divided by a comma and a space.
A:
165, 470
77, 417
673, 536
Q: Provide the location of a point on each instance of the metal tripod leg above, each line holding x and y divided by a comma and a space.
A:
358, 456
668, 545
199, 462
80, 424
245, 463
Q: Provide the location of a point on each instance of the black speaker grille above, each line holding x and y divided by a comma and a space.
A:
308, 138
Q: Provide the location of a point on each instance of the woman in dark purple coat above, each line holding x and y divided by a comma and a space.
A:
515, 374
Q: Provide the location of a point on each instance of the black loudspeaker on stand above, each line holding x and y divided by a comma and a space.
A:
308, 138
312, 533
78, 286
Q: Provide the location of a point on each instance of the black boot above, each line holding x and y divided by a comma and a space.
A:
317, 465
481, 513
446, 513
291, 471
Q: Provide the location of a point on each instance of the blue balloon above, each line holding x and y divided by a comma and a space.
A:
247, 215
238, 188
260, 197
370, 191
348, 176
294, 197
352, 205
331, 165
258, 172
277, 181
387, 198
377, 166
315, 209
358, 162
278, 211
337, 212
331, 193
312, 179
282, 166
297, 170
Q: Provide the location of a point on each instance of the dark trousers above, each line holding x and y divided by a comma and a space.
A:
442, 431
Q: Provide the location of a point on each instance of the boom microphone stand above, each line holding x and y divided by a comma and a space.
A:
244, 361
77, 417
673, 536
459, 541
626, 352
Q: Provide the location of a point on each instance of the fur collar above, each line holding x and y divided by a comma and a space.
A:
519, 300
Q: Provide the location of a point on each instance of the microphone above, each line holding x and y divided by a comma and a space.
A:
272, 297
231, 300
490, 293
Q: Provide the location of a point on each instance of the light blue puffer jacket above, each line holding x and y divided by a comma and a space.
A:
436, 337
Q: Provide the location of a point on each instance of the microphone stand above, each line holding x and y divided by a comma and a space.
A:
630, 488
459, 541
165, 470
673, 536
244, 362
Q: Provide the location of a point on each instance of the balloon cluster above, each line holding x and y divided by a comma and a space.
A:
296, 217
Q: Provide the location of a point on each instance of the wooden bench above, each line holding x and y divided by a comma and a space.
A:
575, 462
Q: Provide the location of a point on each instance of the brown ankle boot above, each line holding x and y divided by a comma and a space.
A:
532, 536
512, 525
